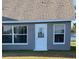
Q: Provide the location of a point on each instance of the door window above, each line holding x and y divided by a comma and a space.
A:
41, 33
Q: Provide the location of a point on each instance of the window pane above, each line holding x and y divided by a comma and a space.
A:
59, 31
6, 38
41, 33
20, 30
20, 38
59, 28
7, 29
59, 37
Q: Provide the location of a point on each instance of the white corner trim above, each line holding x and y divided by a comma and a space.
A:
60, 33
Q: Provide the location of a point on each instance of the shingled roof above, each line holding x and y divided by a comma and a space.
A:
38, 9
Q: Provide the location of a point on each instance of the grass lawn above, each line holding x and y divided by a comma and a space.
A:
22, 54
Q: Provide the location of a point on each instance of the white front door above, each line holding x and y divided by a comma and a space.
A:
40, 37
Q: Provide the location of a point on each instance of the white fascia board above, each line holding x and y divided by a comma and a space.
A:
34, 21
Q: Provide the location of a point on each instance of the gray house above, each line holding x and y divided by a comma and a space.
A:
36, 24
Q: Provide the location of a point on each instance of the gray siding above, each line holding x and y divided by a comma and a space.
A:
50, 46
31, 40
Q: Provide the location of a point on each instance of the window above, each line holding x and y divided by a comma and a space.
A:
20, 34
6, 34
41, 33
59, 34
14, 34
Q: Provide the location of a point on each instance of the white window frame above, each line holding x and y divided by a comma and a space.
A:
12, 26
58, 33
6, 34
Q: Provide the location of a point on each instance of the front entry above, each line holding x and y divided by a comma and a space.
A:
40, 37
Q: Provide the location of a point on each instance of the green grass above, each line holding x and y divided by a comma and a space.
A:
52, 54
73, 49
73, 40
73, 43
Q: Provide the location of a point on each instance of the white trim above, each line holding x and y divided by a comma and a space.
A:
12, 26
12, 35
58, 33
20, 34
14, 43
33, 21
6, 34
40, 50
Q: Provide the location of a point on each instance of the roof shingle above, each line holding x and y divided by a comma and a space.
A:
38, 9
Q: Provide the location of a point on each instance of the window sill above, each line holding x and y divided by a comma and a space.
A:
58, 43
14, 43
